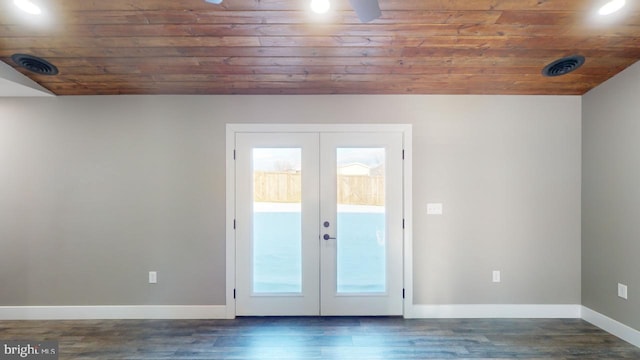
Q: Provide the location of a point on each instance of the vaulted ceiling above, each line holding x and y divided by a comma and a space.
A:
278, 47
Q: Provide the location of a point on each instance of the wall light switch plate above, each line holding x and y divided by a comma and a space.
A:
496, 276
153, 277
434, 209
622, 291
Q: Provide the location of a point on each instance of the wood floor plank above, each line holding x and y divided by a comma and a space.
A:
324, 338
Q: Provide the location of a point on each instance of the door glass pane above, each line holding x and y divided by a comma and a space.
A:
277, 220
361, 245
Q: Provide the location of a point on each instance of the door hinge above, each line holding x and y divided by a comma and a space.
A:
402, 154
403, 293
234, 154
234, 293
403, 223
234, 224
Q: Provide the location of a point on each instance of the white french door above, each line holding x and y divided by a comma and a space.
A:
319, 223
277, 247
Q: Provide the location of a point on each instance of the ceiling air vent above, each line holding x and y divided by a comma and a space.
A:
35, 64
563, 66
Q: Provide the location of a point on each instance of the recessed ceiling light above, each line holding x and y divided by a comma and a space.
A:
611, 7
28, 7
320, 6
217, 2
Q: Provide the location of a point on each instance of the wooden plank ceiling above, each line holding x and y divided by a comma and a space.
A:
278, 47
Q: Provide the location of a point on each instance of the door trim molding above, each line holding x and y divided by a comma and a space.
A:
407, 204
233, 129
293, 128
230, 244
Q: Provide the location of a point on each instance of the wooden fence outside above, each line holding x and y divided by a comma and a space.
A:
285, 187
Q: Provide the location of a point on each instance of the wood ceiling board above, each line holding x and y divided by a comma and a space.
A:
276, 47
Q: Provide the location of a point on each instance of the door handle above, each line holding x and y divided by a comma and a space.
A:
327, 237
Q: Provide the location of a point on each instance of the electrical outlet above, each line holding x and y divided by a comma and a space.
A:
496, 276
622, 291
153, 277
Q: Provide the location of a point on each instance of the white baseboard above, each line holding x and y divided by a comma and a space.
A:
612, 326
493, 311
113, 312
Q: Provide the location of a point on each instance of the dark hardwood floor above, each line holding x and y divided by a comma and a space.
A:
324, 338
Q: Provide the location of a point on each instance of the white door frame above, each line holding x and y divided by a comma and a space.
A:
232, 129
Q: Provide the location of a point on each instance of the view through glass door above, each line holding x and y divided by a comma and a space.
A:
319, 223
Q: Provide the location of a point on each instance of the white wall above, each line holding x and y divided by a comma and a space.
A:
611, 197
96, 191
